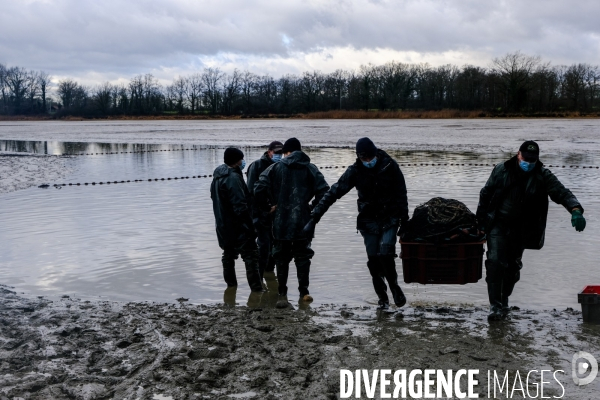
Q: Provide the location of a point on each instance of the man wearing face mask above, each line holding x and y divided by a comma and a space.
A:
512, 211
233, 219
287, 188
382, 208
263, 219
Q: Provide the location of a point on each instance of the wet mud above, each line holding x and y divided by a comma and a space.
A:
72, 349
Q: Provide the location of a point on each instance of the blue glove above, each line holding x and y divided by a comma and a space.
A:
577, 220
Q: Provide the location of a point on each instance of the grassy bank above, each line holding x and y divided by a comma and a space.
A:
335, 114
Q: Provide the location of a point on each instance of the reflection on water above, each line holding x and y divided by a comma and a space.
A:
156, 240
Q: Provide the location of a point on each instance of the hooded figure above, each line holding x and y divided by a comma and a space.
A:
286, 189
233, 219
512, 211
382, 207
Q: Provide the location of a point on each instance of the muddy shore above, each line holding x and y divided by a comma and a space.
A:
72, 349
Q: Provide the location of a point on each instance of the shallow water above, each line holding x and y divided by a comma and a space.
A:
156, 240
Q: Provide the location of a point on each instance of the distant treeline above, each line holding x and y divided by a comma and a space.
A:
515, 83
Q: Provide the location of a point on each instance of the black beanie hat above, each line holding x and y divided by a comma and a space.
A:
365, 148
291, 145
232, 155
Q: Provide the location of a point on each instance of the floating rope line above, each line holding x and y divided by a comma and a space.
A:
103, 153
60, 185
131, 152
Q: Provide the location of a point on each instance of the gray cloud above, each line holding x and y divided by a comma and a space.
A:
119, 38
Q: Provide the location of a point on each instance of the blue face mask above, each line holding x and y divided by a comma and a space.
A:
243, 164
526, 166
276, 158
371, 163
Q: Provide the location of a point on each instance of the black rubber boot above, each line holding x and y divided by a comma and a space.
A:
383, 305
303, 271
283, 302
283, 270
391, 276
270, 265
495, 297
507, 289
375, 269
229, 271
229, 296
253, 276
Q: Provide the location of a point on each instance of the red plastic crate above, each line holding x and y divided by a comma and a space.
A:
444, 264
593, 289
589, 298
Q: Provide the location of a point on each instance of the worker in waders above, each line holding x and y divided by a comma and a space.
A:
233, 218
286, 189
512, 211
382, 210
263, 220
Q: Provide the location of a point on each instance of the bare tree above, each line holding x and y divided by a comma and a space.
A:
247, 82
592, 80
339, 78
3, 86
574, 85
44, 81
515, 70
32, 88
179, 89
194, 91
211, 78
102, 97
231, 90
66, 91
17, 83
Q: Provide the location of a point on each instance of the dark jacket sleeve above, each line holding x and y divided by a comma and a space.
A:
236, 195
252, 177
559, 193
346, 182
262, 190
485, 197
401, 196
321, 186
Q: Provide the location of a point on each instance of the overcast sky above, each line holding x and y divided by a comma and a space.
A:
95, 41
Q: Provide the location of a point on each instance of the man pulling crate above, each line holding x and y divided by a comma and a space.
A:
512, 211
382, 208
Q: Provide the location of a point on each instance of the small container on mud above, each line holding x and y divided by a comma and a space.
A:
589, 299
442, 264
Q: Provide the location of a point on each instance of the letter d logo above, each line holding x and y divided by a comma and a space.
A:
580, 367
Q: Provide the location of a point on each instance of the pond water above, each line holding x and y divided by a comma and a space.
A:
156, 240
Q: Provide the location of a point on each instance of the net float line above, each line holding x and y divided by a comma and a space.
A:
94, 183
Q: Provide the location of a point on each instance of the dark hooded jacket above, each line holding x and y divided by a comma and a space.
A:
261, 217
231, 206
290, 185
520, 200
382, 200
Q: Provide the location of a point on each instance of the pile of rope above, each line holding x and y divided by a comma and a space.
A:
442, 220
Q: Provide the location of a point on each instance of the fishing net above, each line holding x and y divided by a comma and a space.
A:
441, 219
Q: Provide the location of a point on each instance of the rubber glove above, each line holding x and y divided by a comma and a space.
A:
577, 220
309, 228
